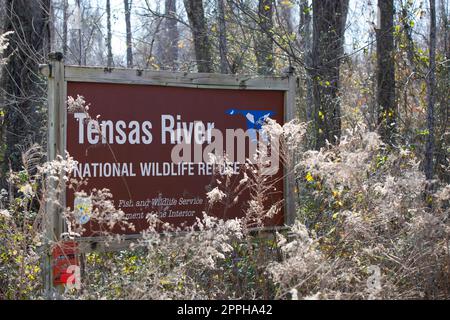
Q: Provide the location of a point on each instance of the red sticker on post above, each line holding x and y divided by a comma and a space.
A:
65, 263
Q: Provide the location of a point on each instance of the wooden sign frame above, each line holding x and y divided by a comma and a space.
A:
59, 74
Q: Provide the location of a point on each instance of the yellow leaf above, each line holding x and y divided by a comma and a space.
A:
164, 281
321, 115
309, 177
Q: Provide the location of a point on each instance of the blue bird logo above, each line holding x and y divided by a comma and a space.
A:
255, 119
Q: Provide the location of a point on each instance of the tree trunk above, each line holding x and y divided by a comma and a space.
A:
431, 87
64, 26
23, 90
305, 45
286, 16
223, 45
109, 62
442, 111
197, 22
127, 5
329, 19
172, 34
264, 42
387, 112
52, 27
79, 32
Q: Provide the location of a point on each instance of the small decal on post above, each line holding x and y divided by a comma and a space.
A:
83, 209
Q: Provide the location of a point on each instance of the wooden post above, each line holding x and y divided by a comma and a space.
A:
53, 223
289, 184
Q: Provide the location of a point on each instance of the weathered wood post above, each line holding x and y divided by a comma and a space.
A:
289, 185
53, 223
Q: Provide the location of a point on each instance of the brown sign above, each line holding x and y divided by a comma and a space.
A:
131, 155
